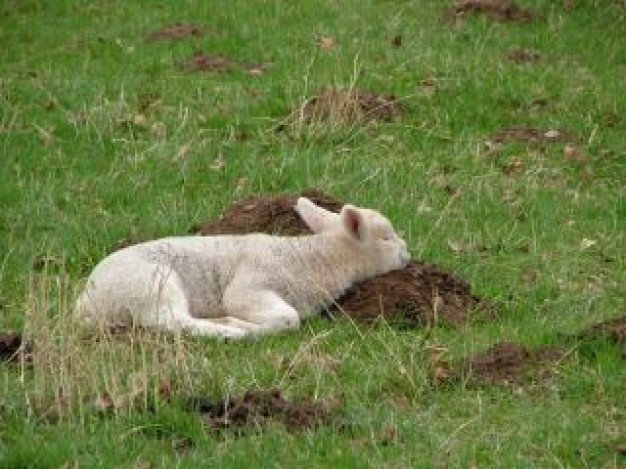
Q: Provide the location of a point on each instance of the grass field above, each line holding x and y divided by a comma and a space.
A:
104, 136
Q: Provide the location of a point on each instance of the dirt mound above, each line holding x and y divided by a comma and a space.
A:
257, 409
13, 348
416, 295
175, 32
530, 135
508, 363
500, 10
201, 62
612, 329
273, 215
419, 294
352, 106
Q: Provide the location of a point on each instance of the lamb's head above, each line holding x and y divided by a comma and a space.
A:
370, 235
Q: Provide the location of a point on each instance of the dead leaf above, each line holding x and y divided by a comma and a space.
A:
586, 243
46, 137
575, 154
241, 183
219, 163
325, 43
257, 69
140, 120
459, 247
552, 134
182, 151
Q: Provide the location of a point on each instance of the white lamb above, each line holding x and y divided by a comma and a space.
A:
235, 286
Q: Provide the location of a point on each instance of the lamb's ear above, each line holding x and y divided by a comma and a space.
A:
353, 221
316, 218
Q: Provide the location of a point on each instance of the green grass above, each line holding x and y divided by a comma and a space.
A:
76, 176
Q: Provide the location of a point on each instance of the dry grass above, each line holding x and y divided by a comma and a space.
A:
74, 371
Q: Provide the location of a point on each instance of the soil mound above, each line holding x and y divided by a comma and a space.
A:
256, 409
273, 215
175, 32
508, 363
499, 10
417, 295
530, 135
201, 62
352, 106
612, 329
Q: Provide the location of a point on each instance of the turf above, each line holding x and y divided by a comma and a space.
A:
104, 136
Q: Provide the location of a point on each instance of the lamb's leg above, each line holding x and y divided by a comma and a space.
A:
258, 311
170, 312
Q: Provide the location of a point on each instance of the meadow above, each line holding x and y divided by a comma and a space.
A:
110, 133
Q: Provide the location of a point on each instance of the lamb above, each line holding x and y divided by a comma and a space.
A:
237, 286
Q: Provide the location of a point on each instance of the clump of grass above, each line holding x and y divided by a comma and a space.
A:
75, 371
338, 106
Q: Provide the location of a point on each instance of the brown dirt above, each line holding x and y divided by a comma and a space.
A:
351, 106
530, 135
273, 215
201, 62
259, 408
13, 348
417, 295
509, 363
175, 32
499, 10
420, 294
612, 329
521, 55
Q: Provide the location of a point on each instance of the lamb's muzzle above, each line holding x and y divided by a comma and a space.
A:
234, 286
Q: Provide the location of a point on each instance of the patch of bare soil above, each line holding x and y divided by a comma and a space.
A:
256, 409
499, 10
509, 363
175, 32
273, 215
613, 329
352, 106
521, 55
417, 295
201, 62
530, 135
13, 348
